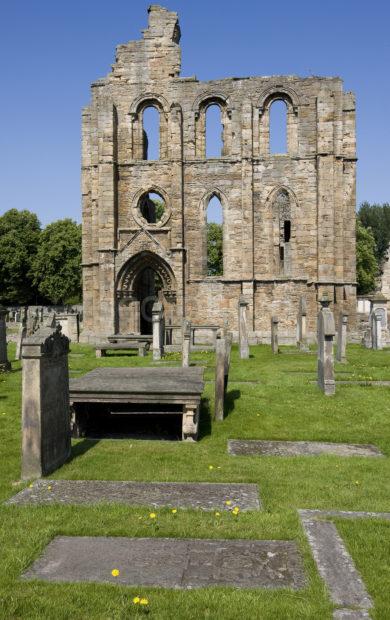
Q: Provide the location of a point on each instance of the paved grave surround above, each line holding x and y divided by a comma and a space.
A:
253, 447
171, 562
335, 565
201, 495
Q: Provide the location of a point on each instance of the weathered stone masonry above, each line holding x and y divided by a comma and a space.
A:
312, 186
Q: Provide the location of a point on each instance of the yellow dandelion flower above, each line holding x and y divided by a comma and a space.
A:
49, 488
115, 572
211, 466
228, 502
144, 601
31, 485
136, 600
152, 515
217, 514
236, 510
357, 482
174, 511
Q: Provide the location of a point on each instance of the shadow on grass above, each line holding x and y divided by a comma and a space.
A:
81, 448
204, 418
230, 398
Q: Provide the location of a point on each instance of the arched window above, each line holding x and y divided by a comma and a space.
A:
214, 131
152, 207
283, 217
214, 226
151, 133
278, 127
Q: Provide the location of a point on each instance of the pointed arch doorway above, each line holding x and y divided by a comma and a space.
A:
143, 279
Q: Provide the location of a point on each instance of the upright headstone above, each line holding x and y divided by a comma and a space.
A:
220, 360
243, 328
22, 332
301, 325
4, 363
342, 337
186, 343
274, 334
228, 336
325, 334
158, 330
45, 402
377, 331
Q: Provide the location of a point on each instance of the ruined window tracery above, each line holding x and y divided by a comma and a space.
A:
278, 127
212, 127
214, 232
282, 216
152, 207
278, 122
214, 131
151, 133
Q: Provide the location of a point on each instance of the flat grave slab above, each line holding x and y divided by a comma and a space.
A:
201, 495
299, 448
171, 562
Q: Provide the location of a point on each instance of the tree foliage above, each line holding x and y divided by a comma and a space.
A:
214, 249
366, 261
57, 265
19, 238
377, 217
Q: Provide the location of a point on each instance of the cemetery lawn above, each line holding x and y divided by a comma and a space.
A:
269, 397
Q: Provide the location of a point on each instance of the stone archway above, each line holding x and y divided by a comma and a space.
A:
144, 278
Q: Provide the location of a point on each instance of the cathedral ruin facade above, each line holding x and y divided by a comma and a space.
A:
288, 219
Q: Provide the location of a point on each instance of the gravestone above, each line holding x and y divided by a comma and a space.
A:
301, 325
186, 343
228, 349
220, 361
342, 337
22, 332
325, 335
45, 404
376, 331
274, 334
158, 330
4, 363
242, 328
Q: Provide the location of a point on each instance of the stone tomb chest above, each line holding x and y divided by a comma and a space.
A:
107, 397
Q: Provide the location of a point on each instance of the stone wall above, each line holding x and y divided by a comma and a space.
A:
314, 182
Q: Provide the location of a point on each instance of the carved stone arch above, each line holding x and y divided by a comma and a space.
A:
204, 202
134, 265
208, 195
283, 203
139, 143
266, 99
199, 107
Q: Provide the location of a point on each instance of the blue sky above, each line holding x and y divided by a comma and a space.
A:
51, 51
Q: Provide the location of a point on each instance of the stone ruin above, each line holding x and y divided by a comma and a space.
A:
288, 219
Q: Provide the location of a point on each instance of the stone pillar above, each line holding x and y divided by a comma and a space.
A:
325, 334
22, 332
301, 325
342, 337
220, 355
45, 403
243, 328
4, 363
157, 323
377, 332
186, 343
274, 334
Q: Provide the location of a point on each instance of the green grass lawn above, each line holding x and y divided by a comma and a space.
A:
269, 397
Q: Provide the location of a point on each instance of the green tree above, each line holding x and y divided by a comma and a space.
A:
366, 261
57, 265
214, 249
19, 237
377, 217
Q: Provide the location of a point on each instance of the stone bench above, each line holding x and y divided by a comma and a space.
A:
102, 349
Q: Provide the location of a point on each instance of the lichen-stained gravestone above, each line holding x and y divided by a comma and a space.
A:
301, 325
4, 363
342, 337
21, 336
46, 440
274, 334
243, 328
158, 329
186, 343
325, 335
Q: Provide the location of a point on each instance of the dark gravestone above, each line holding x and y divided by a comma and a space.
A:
4, 363
45, 404
201, 495
171, 562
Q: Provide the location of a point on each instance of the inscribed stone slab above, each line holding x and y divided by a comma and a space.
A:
202, 495
171, 562
299, 448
